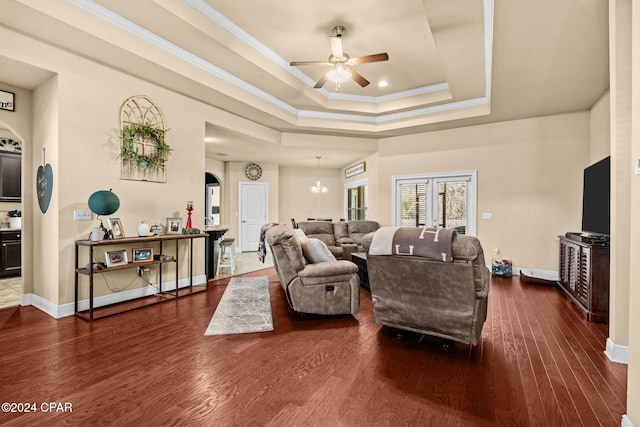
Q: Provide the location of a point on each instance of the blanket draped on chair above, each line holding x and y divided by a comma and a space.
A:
262, 246
414, 241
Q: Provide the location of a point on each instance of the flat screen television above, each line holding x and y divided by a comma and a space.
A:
596, 198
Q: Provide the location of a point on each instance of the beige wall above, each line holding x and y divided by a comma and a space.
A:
299, 202
633, 377
529, 178
45, 247
600, 129
620, 123
88, 155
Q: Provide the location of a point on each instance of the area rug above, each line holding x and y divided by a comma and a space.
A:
245, 307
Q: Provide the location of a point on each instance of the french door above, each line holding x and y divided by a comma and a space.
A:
445, 200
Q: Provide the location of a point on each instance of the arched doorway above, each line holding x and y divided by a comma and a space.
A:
11, 283
212, 200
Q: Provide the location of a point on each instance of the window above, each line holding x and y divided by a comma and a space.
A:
356, 200
443, 200
413, 204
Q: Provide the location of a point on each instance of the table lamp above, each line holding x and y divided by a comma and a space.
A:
104, 202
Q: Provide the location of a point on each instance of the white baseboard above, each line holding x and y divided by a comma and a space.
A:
617, 353
58, 311
40, 303
626, 421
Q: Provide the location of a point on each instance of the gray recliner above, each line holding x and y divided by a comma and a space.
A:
330, 287
443, 299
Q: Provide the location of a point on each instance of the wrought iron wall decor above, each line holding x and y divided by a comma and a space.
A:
144, 152
12, 145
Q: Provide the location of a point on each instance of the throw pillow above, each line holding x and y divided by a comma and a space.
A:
316, 251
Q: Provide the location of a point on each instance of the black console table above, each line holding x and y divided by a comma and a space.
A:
161, 295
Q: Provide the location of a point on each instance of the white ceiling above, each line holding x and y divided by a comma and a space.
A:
452, 63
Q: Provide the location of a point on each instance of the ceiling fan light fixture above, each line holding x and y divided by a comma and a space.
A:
340, 63
339, 74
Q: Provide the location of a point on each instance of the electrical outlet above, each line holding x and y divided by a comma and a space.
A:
82, 215
487, 215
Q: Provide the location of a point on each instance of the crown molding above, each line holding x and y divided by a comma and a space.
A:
124, 24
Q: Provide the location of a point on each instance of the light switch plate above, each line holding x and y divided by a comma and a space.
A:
82, 215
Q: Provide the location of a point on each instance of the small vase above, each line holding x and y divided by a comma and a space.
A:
143, 229
96, 234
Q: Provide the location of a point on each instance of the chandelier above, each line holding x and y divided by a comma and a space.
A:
319, 188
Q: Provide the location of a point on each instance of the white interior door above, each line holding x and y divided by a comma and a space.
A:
253, 213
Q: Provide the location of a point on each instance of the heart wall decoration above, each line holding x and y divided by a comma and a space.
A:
44, 184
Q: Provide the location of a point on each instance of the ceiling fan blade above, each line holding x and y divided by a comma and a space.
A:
336, 46
299, 63
370, 58
321, 82
357, 77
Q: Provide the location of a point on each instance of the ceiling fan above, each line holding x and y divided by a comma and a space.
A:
341, 63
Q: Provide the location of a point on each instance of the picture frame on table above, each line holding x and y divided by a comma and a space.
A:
174, 225
116, 258
115, 226
142, 254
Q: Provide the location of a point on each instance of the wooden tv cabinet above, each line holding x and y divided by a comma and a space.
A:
584, 276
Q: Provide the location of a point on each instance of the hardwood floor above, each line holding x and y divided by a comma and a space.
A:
539, 364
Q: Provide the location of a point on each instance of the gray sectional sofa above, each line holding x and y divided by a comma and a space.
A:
342, 238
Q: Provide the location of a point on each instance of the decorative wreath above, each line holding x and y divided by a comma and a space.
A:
130, 150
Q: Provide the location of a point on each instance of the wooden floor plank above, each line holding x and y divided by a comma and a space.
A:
538, 363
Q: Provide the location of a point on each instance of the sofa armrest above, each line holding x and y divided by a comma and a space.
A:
327, 269
348, 249
366, 241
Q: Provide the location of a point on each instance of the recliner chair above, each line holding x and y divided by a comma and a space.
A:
331, 287
442, 299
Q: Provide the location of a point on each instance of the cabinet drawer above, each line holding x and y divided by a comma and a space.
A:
7, 236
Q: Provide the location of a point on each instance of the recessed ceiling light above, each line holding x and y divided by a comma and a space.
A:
382, 83
210, 139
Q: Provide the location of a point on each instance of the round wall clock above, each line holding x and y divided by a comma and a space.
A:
253, 171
